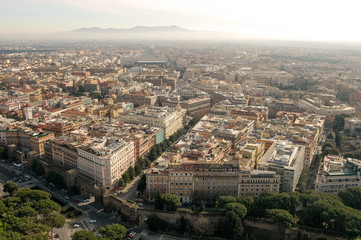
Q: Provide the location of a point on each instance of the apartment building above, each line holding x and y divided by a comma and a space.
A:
162, 117
253, 182
105, 160
252, 152
226, 127
26, 138
255, 113
352, 124
143, 139
192, 105
62, 153
316, 106
214, 180
337, 173
141, 98
286, 159
193, 181
60, 128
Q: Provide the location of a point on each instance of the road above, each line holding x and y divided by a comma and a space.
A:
130, 191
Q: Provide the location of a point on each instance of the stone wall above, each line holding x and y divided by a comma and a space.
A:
263, 229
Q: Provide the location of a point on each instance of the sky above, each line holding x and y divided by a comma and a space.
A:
278, 19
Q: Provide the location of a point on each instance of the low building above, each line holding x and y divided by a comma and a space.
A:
353, 124
26, 138
140, 98
337, 173
192, 105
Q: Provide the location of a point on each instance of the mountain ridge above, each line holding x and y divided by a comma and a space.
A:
132, 29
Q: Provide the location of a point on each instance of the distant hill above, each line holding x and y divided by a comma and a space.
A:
143, 33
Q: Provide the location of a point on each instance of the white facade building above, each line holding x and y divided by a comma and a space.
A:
337, 173
286, 159
105, 160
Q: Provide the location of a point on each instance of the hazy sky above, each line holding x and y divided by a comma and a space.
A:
288, 19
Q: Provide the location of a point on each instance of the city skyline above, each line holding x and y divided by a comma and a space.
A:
306, 20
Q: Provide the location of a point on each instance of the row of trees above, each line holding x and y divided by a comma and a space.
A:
325, 211
28, 214
109, 232
145, 162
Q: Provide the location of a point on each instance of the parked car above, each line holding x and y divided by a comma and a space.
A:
76, 225
66, 198
76, 200
93, 221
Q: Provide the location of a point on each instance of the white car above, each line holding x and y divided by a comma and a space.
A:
76, 225
93, 221
66, 198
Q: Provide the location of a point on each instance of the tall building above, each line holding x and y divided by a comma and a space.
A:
105, 160
28, 112
286, 159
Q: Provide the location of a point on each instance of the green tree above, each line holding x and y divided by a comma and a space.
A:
224, 200
338, 139
11, 188
326, 145
330, 135
155, 223
131, 172
202, 208
137, 169
3, 153
83, 235
37, 168
358, 130
56, 178
283, 217
126, 177
46, 206
142, 184
152, 155
351, 197
183, 224
339, 122
233, 227
54, 220
333, 151
113, 231
170, 202
158, 149
121, 182
246, 201
158, 204
238, 208
321, 237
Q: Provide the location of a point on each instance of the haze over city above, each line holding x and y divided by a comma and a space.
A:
170, 120
279, 19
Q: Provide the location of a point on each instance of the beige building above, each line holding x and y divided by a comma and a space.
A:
253, 182
162, 117
105, 160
